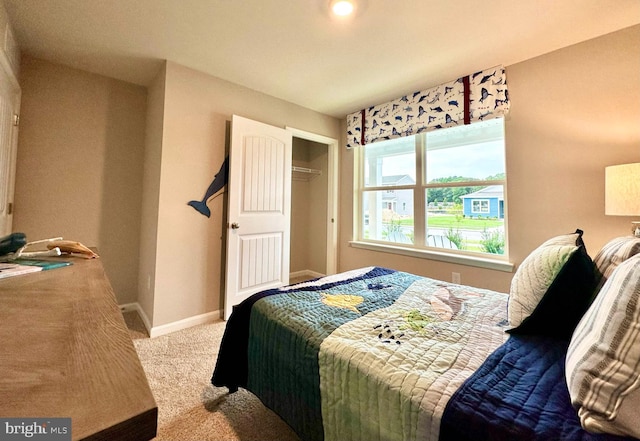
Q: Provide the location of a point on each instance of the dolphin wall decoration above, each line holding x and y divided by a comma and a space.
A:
219, 181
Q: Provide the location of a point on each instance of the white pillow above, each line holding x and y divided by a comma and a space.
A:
533, 278
603, 358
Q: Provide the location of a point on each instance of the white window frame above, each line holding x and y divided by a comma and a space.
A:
481, 211
483, 260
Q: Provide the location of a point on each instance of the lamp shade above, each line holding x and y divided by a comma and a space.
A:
622, 190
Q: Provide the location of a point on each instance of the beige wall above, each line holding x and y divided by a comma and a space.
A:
99, 165
573, 112
299, 210
79, 166
150, 192
189, 257
309, 209
318, 208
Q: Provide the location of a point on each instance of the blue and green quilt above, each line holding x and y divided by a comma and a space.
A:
371, 354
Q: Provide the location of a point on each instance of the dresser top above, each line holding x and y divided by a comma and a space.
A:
66, 352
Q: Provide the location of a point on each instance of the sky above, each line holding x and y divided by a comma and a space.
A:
473, 161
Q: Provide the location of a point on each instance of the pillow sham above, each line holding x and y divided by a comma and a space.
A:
552, 288
612, 254
565, 239
603, 356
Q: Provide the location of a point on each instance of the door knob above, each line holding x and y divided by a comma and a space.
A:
235, 225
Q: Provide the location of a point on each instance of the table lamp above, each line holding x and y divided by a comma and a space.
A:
622, 192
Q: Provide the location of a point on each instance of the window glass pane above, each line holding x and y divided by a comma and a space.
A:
466, 153
388, 215
471, 221
390, 162
459, 213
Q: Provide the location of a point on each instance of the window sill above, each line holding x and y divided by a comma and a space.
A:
493, 264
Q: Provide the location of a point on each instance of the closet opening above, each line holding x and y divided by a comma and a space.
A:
313, 208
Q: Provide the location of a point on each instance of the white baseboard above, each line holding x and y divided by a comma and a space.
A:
136, 307
201, 319
173, 326
306, 273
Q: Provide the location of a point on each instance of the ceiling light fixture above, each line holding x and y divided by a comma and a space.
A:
342, 7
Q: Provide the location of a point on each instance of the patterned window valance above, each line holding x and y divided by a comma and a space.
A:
476, 97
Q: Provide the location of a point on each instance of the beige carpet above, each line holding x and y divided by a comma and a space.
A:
179, 368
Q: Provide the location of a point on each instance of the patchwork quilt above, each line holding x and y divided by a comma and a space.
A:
371, 354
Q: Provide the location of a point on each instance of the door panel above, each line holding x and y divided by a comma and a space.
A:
261, 257
259, 210
9, 107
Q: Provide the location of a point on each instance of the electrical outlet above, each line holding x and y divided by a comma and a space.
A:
455, 278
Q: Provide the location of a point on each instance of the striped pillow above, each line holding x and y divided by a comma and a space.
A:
552, 288
603, 358
613, 254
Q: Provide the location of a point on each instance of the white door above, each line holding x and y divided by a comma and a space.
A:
259, 212
9, 107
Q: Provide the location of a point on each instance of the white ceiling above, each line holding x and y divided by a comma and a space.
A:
294, 50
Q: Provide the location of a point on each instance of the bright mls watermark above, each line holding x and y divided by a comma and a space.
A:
40, 429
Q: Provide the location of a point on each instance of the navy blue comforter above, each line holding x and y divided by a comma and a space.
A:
519, 393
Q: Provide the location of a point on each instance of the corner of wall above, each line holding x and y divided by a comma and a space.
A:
150, 194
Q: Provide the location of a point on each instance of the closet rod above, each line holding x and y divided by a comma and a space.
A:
311, 171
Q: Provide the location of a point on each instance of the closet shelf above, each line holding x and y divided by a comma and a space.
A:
304, 173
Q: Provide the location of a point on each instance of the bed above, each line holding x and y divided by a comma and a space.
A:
380, 354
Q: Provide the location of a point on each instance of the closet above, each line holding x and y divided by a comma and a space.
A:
309, 208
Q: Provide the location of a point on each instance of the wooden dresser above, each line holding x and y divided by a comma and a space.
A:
65, 351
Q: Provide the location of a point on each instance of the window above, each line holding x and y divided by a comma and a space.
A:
480, 206
441, 190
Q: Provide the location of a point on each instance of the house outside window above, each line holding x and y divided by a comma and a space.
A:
440, 190
480, 206
487, 202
